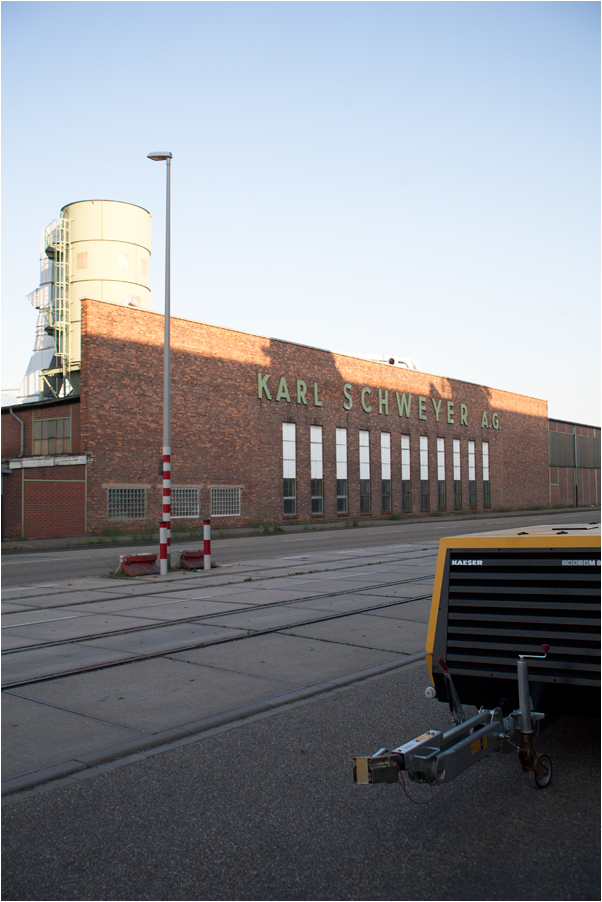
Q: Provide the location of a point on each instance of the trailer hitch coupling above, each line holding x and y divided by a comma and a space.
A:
436, 757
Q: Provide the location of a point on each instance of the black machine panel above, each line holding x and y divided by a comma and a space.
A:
498, 603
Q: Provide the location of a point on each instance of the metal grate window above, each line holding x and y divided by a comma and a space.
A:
184, 503
126, 504
225, 502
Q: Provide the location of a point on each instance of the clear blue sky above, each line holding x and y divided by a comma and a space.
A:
416, 179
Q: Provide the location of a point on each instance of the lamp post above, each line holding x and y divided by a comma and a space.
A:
165, 529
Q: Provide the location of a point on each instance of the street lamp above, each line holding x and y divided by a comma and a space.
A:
165, 529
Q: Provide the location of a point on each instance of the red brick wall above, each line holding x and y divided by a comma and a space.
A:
11, 503
55, 501
54, 496
224, 434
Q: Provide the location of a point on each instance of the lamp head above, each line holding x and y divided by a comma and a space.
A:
160, 155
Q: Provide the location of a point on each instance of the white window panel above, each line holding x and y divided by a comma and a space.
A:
289, 451
123, 261
441, 459
385, 455
315, 436
457, 466
289, 432
364, 455
486, 461
471, 462
424, 457
405, 457
341, 453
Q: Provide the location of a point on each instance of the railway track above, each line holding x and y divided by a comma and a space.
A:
15, 684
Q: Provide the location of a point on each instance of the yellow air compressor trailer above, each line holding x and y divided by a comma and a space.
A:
503, 603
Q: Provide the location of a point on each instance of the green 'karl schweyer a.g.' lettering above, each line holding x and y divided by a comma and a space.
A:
385, 402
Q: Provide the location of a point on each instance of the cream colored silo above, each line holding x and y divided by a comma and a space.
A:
109, 259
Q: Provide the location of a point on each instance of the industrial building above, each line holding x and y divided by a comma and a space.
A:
263, 430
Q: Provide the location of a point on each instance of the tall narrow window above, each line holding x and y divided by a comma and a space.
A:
342, 494
289, 469
406, 490
317, 480
364, 472
472, 485
457, 476
385, 466
424, 474
441, 473
486, 488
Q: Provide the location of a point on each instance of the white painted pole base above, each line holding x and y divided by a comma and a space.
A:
163, 549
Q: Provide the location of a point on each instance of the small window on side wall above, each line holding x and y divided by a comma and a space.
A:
126, 504
184, 502
225, 501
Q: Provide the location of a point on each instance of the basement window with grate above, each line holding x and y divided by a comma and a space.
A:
184, 502
225, 501
126, 504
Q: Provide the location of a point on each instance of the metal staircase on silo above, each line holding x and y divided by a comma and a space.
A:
55, 306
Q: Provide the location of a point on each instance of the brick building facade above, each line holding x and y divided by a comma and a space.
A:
264, 430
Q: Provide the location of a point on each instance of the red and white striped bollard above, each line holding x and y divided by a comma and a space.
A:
207, 545
167, 491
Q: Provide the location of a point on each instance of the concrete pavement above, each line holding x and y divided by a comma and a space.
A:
123, 666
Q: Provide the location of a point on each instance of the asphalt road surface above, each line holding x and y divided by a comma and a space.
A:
25, 569
268, 810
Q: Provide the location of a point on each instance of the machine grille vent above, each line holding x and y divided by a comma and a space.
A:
502, 604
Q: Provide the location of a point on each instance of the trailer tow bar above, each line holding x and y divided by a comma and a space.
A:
436, 757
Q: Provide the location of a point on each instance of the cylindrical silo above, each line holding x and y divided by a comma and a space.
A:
109, 257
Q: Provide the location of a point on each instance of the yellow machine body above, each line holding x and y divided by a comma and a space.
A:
502, 594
